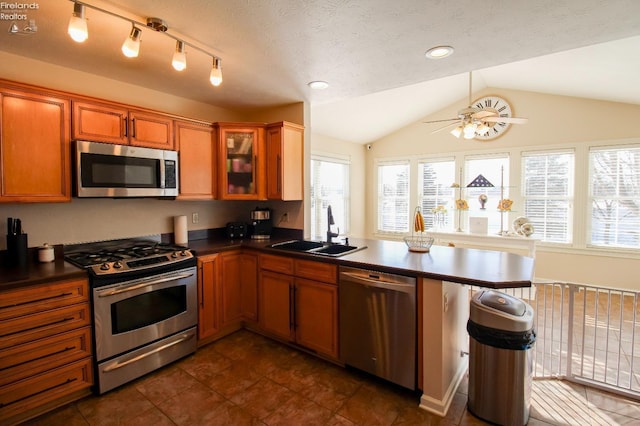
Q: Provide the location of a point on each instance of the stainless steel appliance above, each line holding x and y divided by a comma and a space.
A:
378, 324
261, 223
145, 307
109, 170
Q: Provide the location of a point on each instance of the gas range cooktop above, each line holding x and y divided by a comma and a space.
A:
127, 255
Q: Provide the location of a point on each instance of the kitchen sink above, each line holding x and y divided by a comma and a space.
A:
317, 247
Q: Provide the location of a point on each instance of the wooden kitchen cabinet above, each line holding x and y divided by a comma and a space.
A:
45, 348
208, 299
241, 171
118, 124
285, 171
35, 154
197, 156
298, 302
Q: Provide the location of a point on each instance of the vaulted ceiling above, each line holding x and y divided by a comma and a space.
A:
370, 51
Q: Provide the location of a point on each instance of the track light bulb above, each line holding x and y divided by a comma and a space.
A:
179, 61
216, 72
77, 28
131, 46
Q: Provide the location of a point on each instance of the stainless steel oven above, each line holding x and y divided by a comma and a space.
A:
145, 308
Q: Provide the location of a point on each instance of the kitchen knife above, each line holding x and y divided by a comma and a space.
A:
18, 227
9, 226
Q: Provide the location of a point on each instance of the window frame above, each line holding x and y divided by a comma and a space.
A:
345, 206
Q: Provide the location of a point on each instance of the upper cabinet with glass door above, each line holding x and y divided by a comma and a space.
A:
241, 167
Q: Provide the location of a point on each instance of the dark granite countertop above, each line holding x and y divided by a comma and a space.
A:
484, 268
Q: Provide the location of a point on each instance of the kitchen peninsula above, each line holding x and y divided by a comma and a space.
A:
443, 297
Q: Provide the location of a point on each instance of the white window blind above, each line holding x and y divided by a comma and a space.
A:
435, 178
393, 197
495, 169
329, 187
548, 188
614, 176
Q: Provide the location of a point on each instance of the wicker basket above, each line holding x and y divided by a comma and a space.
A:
419, 243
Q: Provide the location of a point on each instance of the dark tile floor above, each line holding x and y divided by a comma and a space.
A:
246, 379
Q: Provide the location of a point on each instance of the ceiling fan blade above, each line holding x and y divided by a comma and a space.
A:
482, 114
512, 120
443, 127
442, 121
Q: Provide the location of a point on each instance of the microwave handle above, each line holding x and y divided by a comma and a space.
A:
163, 174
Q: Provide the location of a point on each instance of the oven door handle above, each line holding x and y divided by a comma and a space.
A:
119, 364
144, 284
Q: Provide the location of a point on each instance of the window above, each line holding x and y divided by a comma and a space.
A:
435, 178
393, 197
614, 190
495, 169
329, 187
547, 179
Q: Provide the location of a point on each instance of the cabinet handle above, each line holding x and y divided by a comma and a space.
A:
292, 310
133, 128
37, 300
126, 126
63, 320
279, 172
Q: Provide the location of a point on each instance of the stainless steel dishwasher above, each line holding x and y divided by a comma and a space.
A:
378, 324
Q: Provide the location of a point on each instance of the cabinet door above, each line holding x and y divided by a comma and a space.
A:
208, 323
230, 288
194, 142
275, 305
316, 316
285, 145
35, 154
249, 286
100, 122
150, 130
240, 162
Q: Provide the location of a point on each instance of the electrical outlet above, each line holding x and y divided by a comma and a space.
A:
195, 218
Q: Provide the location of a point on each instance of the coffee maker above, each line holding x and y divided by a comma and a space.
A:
261, 223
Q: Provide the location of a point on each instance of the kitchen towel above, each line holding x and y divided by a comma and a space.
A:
180, 234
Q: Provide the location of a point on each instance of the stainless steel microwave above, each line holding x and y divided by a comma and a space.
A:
109, 170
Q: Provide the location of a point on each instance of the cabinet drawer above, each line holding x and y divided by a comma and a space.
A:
318, 271
29, 359
27, 328
25, 301
281, 264
44, 388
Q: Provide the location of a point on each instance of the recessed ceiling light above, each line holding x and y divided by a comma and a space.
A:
439, 52
318, 85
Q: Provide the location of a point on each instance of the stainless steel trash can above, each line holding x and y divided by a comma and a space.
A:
501, 335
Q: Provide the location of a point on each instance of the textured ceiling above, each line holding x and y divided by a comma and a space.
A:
370, 51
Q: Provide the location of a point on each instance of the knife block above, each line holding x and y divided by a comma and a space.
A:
17, 249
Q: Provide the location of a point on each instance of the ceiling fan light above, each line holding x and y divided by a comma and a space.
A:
457, 131
470, 130
131, 46
216, 72
179, 61
77, 28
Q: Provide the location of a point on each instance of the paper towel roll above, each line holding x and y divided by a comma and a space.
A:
180, 234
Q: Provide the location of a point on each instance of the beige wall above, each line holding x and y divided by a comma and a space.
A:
100, 219
324, 145
553, 121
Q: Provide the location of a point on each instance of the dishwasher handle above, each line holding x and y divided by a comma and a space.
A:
368, 281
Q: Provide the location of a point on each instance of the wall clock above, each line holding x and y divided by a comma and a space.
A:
495, 105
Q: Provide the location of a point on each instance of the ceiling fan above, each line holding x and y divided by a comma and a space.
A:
486, 118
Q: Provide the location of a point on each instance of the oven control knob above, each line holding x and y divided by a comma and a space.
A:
104, 267
183, 253
174, 254
117, 264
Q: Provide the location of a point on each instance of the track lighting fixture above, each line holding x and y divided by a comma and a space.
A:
131, 46
77, 30
179, 61
216, 72
78, 24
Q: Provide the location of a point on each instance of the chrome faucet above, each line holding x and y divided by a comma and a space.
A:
330, 222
